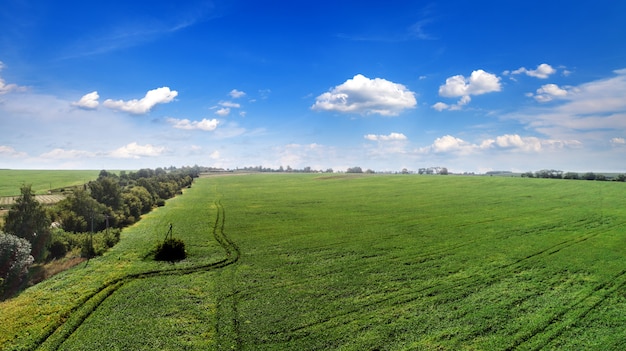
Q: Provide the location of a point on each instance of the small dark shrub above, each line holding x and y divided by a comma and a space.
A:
170, 250
57, 249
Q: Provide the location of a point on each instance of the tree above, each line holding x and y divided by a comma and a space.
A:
106, 190
15, 258
571, 175
354, 170
77, 211
27, 219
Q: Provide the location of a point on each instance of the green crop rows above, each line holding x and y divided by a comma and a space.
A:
310, 262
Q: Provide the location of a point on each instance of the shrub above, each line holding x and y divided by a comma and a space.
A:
170, 250
15, 258
57, 249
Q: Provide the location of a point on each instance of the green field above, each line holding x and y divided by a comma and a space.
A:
42, 181
312, 262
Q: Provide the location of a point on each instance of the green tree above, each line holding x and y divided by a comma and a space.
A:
106, 190
28, 219
77, 211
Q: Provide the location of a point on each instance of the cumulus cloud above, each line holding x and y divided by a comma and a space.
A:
449, 144
153, 97
204, 124
390, 137
542, 71
88, 101
362, 95
134, 150
548, 92
478, 83
235, 94
440, 106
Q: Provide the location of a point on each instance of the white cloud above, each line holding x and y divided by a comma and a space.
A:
235, 94
543, 71
215, 155
366, 96
58, 154
390, 137
88, 101
479, 82
230, 104
589, 112
548, 92
223, 112
7, 88
450, 144
134, 150
440, 106
204, 124
618, 141
7, 151
153, 97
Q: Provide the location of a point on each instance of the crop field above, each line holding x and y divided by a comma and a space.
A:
42, 180
316, 262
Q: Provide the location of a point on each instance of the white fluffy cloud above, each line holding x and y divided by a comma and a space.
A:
452, 145
204, 124
390, 137
134, 150
88, 101
235, 94
478, 83
153, 97
543, 71
548, 92
448, 143
362, 95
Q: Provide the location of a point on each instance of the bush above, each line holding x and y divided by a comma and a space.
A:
15, 258
57, 249
170, 250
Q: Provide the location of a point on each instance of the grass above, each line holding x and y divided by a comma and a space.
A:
42, 180
350, 263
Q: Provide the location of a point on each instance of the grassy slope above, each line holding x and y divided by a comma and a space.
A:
354, 263
42, 181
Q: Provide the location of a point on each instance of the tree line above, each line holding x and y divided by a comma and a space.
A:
556, 174
87, 222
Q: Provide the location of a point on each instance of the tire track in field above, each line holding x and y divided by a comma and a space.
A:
55, 335
542, 335
463, 284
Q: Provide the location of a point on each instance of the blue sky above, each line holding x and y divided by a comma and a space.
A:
473, 86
